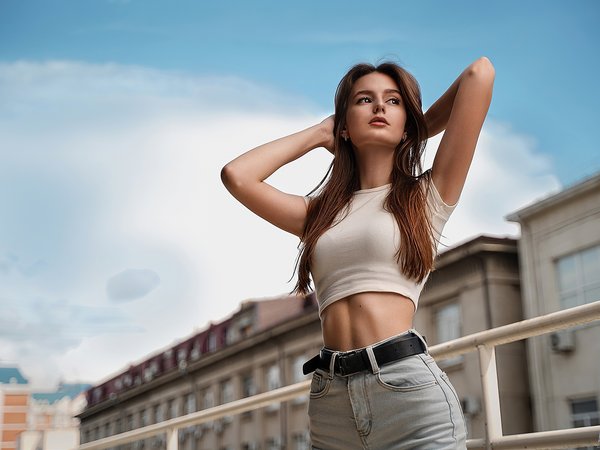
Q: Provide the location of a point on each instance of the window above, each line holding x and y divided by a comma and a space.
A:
172, 409
584, 413
301, 441
190, 403
578, 277
212, 342
129, 422
298, 376
97, 394
226, 391
159, 414
245, 326
208, 399
273, 382
448, 327
248, 386
145, 417
230, 335
272, 444
195, 353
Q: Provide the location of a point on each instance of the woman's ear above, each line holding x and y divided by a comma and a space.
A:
345, 134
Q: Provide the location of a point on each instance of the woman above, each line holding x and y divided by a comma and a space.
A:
369, 240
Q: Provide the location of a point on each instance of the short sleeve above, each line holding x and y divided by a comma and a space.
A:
439, 210
437, 204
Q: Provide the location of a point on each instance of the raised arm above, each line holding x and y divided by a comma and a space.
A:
461, 111
244, 176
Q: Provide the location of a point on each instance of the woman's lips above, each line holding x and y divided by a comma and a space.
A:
379, 121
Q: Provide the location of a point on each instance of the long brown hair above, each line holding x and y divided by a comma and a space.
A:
406, 199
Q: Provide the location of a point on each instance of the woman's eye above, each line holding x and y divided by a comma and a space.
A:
360, 100
395, 101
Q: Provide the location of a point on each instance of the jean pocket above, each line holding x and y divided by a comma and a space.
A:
407, 374
319, 385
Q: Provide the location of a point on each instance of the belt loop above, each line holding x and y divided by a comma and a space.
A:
372, 360
422, 340
332, 365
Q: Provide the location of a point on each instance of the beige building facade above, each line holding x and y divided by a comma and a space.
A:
264, 344
476, 287
560, 268
260, 348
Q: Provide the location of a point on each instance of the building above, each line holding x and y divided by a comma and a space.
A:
560, 268
51, 423
259, 348
476, 287
14, 403
263, 345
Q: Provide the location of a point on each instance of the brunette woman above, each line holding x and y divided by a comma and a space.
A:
369, 238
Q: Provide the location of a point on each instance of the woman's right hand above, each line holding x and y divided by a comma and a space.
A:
328, 137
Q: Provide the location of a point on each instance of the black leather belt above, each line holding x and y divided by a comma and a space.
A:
347, 363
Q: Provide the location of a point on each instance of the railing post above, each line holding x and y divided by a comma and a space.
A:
491, 396
172, 439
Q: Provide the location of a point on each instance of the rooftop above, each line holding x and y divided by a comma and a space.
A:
573, 191
64, 390
11, 375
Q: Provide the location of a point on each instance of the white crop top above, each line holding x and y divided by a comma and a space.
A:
355, 254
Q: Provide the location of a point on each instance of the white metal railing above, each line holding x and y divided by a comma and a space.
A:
484, 343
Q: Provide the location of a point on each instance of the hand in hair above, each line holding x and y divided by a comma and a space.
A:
327, 129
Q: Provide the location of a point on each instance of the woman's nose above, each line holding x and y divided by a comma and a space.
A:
377, 106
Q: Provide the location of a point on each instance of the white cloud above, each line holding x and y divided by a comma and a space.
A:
507, 173
104, 168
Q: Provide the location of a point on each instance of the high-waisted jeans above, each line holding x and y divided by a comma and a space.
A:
406, 404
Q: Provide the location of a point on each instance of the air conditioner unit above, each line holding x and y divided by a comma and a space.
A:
470, 405
563, 341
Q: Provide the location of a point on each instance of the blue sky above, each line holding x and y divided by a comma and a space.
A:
546, 51
116, 117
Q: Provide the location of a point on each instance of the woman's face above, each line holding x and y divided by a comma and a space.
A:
376, 115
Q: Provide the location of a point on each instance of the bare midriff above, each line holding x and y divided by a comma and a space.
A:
365, 318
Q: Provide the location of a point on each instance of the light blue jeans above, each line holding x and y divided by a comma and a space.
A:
406, 404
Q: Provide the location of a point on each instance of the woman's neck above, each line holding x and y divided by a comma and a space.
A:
375, 168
